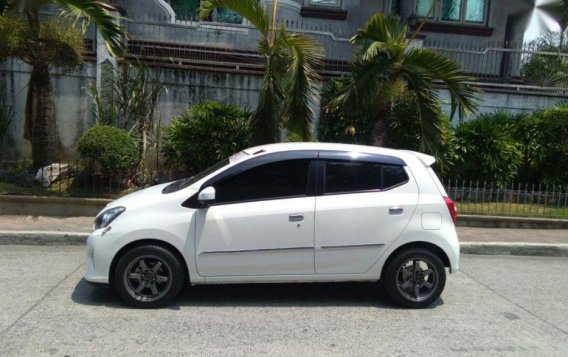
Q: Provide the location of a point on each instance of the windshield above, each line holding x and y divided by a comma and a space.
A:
181, 184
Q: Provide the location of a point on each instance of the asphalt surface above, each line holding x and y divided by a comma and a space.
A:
514, 306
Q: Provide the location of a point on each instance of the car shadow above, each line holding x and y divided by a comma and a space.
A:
351, 294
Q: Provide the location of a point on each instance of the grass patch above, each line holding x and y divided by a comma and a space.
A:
513, 209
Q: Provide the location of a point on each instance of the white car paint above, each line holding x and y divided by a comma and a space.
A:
340, 238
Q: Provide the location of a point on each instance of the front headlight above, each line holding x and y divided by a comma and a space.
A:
105, 218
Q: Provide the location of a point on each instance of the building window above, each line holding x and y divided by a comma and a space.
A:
185, 9
457, 11
326, 3
395, 8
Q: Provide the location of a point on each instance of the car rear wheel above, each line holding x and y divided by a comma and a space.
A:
148, 276
414, 278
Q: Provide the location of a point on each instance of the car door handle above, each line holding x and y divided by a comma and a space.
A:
396, 210
297, 217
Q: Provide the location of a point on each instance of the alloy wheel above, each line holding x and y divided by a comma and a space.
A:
417, 279
147, 278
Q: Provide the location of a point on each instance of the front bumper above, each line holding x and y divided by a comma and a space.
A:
99, 257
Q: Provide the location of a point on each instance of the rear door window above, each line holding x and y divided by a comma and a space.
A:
354, 176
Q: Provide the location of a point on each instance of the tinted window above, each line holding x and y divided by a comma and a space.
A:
361, 176
274, 180
392, 176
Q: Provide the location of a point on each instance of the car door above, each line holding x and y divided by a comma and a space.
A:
361, 207
262, 222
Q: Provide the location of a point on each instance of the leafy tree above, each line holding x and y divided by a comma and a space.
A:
289, 84
42, 42
385, 66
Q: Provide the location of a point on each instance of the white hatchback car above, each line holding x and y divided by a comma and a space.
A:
298, 212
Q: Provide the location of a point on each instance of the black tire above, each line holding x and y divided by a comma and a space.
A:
148, 276
414, 278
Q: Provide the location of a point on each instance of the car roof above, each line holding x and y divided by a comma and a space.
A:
297, 146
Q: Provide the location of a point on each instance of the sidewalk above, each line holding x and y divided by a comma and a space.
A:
41, 230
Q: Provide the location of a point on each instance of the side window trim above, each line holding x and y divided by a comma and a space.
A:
360, 157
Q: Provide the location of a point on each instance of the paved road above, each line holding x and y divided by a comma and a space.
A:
494, 306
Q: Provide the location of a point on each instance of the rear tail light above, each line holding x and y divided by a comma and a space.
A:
452, 209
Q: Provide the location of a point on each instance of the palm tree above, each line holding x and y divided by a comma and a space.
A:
386, 65
290, 76
41, 43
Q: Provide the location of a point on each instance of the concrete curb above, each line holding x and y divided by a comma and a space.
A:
481, 248
51, 205
42, 238
515, 248
511, 222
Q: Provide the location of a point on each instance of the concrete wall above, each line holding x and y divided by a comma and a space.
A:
183, 88
511, 102
73, 101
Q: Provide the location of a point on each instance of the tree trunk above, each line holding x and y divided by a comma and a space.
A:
40, 117
378, 134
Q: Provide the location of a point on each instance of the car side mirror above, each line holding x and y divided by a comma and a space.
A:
207, 196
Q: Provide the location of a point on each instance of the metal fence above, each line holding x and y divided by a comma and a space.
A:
77, 179
74, 179
519, 199
491, 62
194, 43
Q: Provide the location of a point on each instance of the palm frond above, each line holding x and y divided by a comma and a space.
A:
421, 84
305, 56
383, 33
363, 86
464, 97
99, 13
252, 10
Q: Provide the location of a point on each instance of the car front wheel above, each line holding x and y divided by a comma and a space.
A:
414, 278
148, 276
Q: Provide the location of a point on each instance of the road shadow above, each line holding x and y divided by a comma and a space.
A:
249, 295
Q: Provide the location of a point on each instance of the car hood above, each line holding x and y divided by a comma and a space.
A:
148, 196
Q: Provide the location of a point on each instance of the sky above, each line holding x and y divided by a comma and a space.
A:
540, 23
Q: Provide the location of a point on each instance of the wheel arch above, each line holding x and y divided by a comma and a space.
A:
439, 252
148, 241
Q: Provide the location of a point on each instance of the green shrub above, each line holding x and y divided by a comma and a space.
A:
205, 134
542, 138
552, 164
487, 151
109, 148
